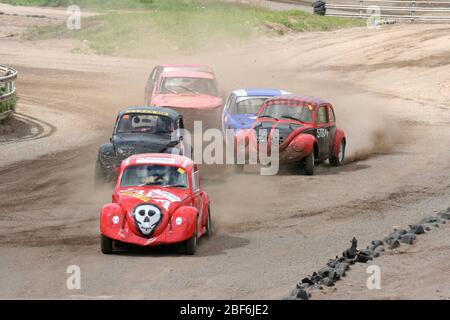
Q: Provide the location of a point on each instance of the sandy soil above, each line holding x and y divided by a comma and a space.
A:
390, 90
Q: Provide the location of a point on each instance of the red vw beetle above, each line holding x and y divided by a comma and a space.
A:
303, 128
157, 200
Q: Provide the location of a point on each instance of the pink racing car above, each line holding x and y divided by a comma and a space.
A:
186, 90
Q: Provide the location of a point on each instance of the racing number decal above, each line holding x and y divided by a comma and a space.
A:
322, 133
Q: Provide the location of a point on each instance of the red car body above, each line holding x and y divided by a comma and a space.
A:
201, 105
184, 212
314, 140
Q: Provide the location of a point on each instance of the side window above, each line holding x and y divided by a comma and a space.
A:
157, 84
322, 115
151, 82
116, 125
154, 74
229, 108
157, 73
195, 181
331, 115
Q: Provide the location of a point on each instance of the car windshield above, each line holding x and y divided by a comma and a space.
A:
183, 85
279, 111
154, 175
247, 105
142, 122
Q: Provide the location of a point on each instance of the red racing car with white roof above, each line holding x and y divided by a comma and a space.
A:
158, 199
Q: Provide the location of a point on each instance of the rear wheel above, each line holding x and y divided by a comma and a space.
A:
339, 159
309, 164
106, 244
190, 245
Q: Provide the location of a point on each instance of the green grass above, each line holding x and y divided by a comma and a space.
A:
155, 27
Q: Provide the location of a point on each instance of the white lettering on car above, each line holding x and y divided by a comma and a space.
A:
155, 160
322, 133
159, 196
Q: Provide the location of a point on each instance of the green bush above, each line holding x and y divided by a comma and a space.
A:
8, 105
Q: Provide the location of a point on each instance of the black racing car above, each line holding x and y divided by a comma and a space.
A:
139, 130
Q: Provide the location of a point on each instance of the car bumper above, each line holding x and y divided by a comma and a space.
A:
171, 234
286, 155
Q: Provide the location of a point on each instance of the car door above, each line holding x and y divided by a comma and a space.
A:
332, 128
225, 115
322, 131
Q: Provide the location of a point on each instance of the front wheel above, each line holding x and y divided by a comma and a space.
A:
106, 244
309, 164
339, 159
190, 245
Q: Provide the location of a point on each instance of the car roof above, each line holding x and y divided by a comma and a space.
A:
151, 110
296, 100
255, 92
197, 67
188, 74
159, 158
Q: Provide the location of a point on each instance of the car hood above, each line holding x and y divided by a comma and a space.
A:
135, 143
167, 200
286, 129
187, 101
241, 121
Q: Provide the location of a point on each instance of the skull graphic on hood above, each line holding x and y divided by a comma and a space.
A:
147, 217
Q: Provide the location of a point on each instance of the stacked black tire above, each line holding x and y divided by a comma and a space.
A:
319, 7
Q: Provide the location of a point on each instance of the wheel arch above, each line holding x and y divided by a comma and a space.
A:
339, 136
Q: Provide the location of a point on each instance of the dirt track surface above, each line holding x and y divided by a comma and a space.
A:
390, 88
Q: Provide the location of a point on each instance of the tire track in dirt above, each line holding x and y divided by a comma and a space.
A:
36, 129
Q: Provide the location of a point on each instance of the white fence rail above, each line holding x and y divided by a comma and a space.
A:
8, 77
425, 11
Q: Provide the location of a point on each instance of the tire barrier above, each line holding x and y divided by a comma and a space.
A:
319, 7
337, 268
7, 92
